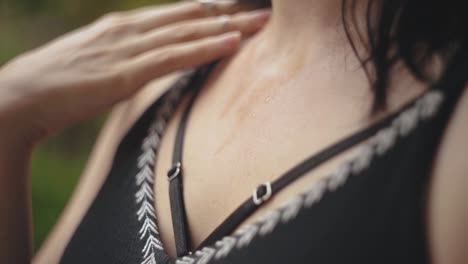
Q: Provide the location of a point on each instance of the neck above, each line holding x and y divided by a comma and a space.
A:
302, 36
302, 16
309, 21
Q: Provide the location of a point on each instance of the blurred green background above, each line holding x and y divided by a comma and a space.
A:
58, 163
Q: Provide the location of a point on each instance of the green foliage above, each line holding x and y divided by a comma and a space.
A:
57, 165
53, 178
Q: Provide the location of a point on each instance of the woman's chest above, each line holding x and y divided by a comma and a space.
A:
236, 140
225, 158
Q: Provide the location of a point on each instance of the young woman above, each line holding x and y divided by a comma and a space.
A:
335, 134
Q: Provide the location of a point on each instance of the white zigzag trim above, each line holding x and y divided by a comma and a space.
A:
224, 246
146, 210
145, 192
151, 141
424, 108
157, 128
145, 175
152, 243
316, 192
429, 104
185, 260
337, 178
149, 260
246, 235
363, 159
205, 255
144, 196
146, 159
270, 220
292, 208
384, 140
148, 227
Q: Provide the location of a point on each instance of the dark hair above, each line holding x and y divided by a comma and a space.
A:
410, 31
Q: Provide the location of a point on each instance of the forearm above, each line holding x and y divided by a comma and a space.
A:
15, 204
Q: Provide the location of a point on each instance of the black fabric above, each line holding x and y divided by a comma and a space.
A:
248, 207
109, 231
375, 217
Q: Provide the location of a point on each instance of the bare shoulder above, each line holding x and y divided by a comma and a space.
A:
121, 118
448, 198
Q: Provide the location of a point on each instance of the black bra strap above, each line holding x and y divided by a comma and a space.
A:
263, 192
179, 217
453, 86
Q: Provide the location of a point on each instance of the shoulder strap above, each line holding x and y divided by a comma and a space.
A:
452, 87
178, 212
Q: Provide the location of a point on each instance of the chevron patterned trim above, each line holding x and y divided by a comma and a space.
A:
144, 179
424, 108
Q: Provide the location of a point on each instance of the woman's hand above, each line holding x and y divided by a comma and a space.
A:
89, 70
85, 73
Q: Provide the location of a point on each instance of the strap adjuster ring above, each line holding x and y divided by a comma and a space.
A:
257, 198
174, 172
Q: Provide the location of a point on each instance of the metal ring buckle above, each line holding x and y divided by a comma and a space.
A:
174, 171
259, 200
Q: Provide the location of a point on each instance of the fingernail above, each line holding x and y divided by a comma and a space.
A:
230, 40
261, 15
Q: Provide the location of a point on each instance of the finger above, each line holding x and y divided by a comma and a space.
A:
152, 17
156, 63
246, 23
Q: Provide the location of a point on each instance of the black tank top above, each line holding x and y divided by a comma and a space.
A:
371, 209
